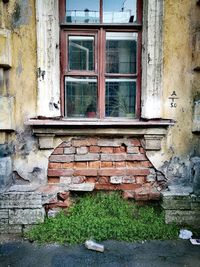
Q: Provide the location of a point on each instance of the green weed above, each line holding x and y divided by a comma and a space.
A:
104, 216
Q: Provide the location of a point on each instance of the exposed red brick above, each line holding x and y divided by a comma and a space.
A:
129, 180
148, 185
82, 150
49, 189
65, 144
103, 180
113, 157
86, 172
128, 186
141, 194
53, 165
139, 164
105, 187
146, 164
113, 142
133, 164
58, 151
116, 187
61, 158
133, 150
94, 149
107, 149
111, 172
84, 142
91, 180
137, 171
106, 164
65, 204
65, 179
140, 179
63, 195
119, 164
81, 164
78, 179
60, 172
53, 180
121, 149
136, 157
69, 165
94, 164
69, 150
87, 157
128, 194
135, 142
142, 150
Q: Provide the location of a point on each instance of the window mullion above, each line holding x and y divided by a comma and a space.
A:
101, 73
101, 11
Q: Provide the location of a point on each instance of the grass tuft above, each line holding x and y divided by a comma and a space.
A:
104, 216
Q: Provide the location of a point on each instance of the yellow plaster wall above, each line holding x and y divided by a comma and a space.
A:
21, 78
177, 69
178, 74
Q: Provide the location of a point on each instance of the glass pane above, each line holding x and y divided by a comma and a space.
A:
85, 11
80, 97
120, 97
81, 53
121, 50
119, 11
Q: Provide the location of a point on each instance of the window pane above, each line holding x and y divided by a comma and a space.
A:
119, 11
120, 97
81, 53
85, 11
80, 97
121, 52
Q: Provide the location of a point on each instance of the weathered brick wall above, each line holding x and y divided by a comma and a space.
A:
110, 164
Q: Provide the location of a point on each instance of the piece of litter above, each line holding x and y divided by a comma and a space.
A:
195, 241
185, 234
90, 244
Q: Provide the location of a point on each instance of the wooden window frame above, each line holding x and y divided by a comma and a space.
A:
99, 33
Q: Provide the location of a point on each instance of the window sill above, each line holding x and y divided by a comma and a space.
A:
97, 122
152, 131
62, 127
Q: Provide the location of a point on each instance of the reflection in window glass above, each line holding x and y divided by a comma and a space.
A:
120, 97
81, 53
85, 11
121, 52
80, 97
119, 11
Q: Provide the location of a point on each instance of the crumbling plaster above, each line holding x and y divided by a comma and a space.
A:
178, 77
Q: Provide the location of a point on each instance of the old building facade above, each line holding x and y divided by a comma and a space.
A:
98, 100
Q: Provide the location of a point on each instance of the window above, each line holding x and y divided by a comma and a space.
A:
100, 58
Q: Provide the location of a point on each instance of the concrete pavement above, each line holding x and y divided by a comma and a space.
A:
178, 253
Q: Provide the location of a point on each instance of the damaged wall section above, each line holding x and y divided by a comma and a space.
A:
107, 164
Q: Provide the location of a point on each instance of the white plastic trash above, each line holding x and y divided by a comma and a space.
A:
90, 244
195, 241
185, 234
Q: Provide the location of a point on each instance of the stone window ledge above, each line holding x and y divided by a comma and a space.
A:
97, 122
151, 131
